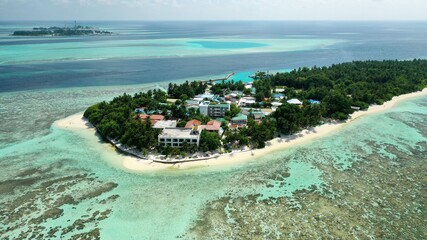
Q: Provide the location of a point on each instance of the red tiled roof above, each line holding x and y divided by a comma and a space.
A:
153, 118
191, 123
214, 123
212, 126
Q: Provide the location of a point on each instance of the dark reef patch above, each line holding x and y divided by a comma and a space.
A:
34, 198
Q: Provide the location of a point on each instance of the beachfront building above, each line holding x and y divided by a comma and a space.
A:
165, 124
153, 118
176, 137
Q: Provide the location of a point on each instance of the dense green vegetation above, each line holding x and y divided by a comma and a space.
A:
338, 88
61, 31
186, 90
225, 87
361, 83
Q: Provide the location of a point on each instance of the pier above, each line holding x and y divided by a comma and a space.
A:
219, 79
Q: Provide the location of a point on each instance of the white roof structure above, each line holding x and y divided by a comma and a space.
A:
276, 104
181, 133
165, 124
295, 101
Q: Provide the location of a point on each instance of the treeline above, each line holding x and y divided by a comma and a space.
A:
254, 134
186, 90
224, 86
117, 120
58, 31
340, 86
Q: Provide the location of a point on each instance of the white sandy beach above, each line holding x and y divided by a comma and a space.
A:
135, 164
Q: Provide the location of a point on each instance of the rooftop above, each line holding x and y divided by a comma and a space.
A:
178, 133
193, 122
203, 96
295, 101
222, 105
153, 118
240, 117
165, 124
212, 126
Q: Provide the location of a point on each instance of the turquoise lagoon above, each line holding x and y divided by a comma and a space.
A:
55, 180
150, 48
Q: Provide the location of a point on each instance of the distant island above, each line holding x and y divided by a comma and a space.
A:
203, 119
62, 31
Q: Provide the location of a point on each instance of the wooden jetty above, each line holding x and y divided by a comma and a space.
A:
219, 79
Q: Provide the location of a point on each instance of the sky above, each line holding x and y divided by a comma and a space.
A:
347, 10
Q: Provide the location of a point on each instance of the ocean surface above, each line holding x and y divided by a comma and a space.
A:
365, 181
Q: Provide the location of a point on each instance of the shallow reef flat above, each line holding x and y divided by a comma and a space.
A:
377, 196
54, 202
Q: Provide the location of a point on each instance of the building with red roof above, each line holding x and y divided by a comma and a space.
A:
153, 118
192, 123
212, 126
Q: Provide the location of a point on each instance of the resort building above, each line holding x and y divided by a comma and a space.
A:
240, 119
165, 124
203, 107
247, 101
212, 126
192, 123
176, 137
192, 104
257, 115
217, 110
295, 101
153, 118
266, 111
205, 96
275, 105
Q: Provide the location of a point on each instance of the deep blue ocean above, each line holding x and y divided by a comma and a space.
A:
357, 41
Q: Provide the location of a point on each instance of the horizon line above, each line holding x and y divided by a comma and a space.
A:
222, 20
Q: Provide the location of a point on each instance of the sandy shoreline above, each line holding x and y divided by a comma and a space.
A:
76, 121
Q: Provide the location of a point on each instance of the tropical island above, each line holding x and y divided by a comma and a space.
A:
77, 30
204, 119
